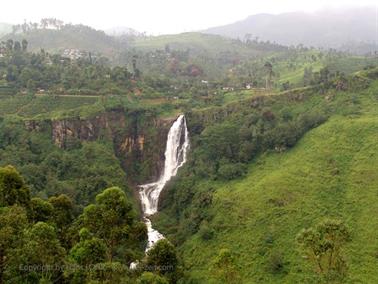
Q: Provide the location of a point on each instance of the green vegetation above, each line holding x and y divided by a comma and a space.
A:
51, 241
330, 173
80, 173
280, 182
323, 246
55, 36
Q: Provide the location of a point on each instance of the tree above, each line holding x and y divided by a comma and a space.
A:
324, 75
269, 74
150, 278
323, 246
136, 71
9, 45
41, 257
111, 219
41, 210
17, 46
86, 253
62, 216
224, 267
308, 76
89, 250
24, 45
13, 221
109, 272
161, 258
12, 188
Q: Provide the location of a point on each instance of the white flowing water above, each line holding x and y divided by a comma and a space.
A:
175, 156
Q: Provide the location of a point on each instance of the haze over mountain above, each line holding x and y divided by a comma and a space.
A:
326, 28
121, 31
5, 28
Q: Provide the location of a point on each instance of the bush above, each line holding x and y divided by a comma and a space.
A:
232, 171
275, 263
205, 232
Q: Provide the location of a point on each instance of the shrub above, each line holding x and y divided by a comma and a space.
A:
275, 263
205, 232
232, 171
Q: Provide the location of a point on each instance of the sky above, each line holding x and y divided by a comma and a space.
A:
158, 16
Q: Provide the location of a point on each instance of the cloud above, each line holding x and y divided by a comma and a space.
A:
157, 16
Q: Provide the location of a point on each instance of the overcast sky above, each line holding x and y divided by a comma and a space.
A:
158, 16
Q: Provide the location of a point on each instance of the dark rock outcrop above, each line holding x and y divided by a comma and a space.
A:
138, 138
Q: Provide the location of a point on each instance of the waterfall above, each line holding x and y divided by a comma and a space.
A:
175, 156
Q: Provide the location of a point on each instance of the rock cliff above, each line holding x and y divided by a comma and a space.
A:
138, 138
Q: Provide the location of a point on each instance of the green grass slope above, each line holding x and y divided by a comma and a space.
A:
331, 172
49, 106
193, 41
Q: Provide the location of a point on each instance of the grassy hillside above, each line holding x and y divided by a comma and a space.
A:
331, 172
192, 41
29, 106
259, 216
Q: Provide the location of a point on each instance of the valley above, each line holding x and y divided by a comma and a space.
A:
186, 158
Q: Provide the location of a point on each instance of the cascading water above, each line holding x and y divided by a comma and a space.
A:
175, 156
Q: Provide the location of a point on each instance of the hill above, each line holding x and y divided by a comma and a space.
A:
346, 29
192, 41
212, 54
329, 173
68, 37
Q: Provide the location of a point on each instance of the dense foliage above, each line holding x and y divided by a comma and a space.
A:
48, 241
233, 211
58, 75
254, 208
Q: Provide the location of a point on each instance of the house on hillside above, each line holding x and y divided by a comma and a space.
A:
73, 54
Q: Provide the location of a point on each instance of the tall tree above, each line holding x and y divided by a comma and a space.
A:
12, 188
162, 259
17, 46
13, 221
40, 258
269, 74
24, 44
110, 219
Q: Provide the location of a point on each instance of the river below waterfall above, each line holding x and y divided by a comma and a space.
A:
175, 156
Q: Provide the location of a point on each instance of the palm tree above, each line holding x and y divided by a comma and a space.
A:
269, 70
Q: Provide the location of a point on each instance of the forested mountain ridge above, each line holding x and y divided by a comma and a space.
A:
65, 37
343, 29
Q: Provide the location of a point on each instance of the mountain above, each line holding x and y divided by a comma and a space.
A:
69, 36
326, 28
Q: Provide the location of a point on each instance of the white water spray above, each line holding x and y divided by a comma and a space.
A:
175, 156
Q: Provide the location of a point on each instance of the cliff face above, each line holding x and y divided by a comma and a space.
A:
138, 138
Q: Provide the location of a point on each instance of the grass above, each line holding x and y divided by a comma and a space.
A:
51, 104
193, 41
295, 77
331, 172
350, 64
